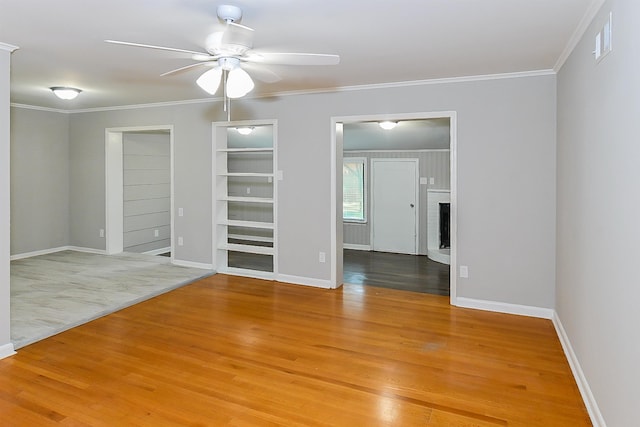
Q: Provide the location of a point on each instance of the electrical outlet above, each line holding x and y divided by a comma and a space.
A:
464, 271
101, 232
180, 212
180, 241
156, 233
248, 190
322, 257
432, 180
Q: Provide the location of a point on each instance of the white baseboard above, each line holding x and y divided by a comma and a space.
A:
306, 281
356, 247
192, 264
6, 350
503, 307
158, 251
37, 253
254, 274
585, 391
86, 250
54, 250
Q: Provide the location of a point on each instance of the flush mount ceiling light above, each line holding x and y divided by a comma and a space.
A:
65, 92
387, 125
245, 130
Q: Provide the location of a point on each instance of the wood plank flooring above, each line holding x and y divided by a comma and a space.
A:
244, 352
396, 271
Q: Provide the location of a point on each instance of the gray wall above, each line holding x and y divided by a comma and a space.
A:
506, 176
598, 211
192, 180
147, 191
39, 180
433, 164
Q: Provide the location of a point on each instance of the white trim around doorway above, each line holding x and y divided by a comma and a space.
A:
114, 197
336, 180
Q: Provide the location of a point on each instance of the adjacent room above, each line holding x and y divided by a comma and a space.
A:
394, 239
240, 242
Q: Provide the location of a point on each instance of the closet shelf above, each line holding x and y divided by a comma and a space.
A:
244, 150
261, 250
245, 199
247, 224
249, 174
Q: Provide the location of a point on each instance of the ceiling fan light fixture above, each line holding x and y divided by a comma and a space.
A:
245, 130
238, 83
209, 81
65, 93
387, 125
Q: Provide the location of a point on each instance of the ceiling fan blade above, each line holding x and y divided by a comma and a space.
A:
240, 26
284, 58
150, 46
261, 73
237, 34
186, 67
235, 39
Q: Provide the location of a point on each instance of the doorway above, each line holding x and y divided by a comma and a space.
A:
141, 208
337, 144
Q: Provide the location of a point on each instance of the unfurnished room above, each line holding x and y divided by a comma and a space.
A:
319, 213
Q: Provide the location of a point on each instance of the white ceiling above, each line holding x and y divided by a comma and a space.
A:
62, 43
407, 135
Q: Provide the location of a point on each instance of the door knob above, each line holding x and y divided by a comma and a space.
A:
411, 204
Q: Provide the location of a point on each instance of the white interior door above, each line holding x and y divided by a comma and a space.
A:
394, 184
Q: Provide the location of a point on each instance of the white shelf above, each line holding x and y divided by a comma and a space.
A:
247, 224
247, 163
261, 250
244, 150
248, 238
249, 174
246, 199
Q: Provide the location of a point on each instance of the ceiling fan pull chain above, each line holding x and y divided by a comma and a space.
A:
226, 101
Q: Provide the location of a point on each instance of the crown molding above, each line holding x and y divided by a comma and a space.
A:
447, 80
36, 107
8, 47
390, 85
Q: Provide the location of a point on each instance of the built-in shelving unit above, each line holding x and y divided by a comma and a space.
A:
245, 199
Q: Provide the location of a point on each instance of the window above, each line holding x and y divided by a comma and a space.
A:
354, 190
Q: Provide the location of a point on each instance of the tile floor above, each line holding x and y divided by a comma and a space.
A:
55, 292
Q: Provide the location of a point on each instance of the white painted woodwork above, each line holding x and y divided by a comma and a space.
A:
147, 177
244, 198
394, 184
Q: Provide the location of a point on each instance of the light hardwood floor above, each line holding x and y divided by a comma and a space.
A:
235, 351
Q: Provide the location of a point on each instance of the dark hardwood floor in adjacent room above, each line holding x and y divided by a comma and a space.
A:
396, 271
233, 351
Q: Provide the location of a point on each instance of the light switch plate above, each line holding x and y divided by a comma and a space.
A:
464, 271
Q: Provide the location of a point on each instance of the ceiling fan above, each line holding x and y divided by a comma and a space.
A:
229, 51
